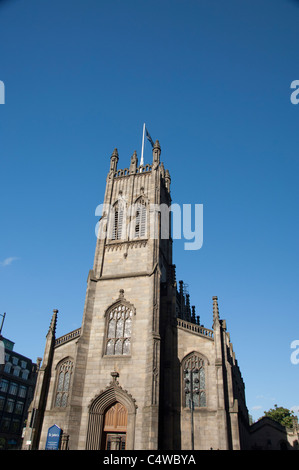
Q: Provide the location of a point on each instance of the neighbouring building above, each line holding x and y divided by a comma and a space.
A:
17, 382
141, 372
267, 434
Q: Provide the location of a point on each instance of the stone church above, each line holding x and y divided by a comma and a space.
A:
141, 372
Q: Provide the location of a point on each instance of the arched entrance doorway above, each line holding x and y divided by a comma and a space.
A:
111, 419
115, 427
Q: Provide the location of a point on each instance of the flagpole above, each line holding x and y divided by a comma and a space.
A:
142, 148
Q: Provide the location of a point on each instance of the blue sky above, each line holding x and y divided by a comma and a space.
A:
211, 79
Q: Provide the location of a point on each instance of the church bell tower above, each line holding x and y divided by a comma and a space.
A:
122, 321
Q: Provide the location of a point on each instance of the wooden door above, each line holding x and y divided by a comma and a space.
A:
115, 427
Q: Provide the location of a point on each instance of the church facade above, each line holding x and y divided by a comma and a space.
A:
141, 372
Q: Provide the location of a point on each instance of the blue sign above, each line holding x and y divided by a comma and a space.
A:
53, 438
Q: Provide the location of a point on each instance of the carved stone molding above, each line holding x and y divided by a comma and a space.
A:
111, 246
112, 393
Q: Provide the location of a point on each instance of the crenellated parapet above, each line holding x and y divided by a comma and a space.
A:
137, 170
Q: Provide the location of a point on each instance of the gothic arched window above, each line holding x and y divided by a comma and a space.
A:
119, 329
63, 383
194, 376
117, 222
140, 218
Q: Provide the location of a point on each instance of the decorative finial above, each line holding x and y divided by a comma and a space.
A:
156, 154
121, 293
167, 180
134, 161
113, 162
115, 153
193, 314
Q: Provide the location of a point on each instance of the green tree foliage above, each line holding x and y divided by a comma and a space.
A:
281, 415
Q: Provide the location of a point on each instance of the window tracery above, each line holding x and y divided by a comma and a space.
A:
194, 381
119, 330
63, 383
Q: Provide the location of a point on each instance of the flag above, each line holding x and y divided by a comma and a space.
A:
149, 137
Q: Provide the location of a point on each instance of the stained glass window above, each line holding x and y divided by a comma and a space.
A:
127, 346
110, 347
194, 381
63, 383
119, 331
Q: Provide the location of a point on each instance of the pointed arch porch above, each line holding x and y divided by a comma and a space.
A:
97, 408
